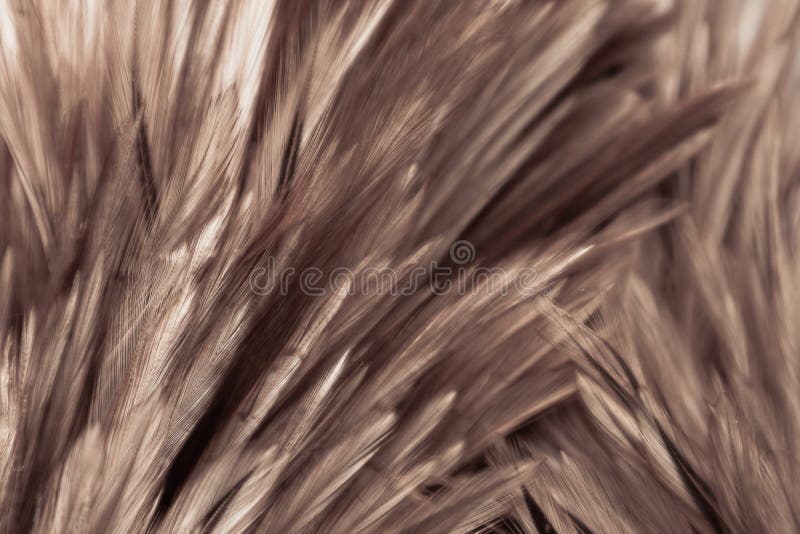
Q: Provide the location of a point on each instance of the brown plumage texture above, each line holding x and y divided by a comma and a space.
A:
640, 155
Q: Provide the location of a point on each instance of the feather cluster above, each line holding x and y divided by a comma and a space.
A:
636, 159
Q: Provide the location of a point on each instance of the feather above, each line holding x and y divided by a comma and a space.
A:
399, 266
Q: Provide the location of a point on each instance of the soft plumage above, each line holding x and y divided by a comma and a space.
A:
633, 160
